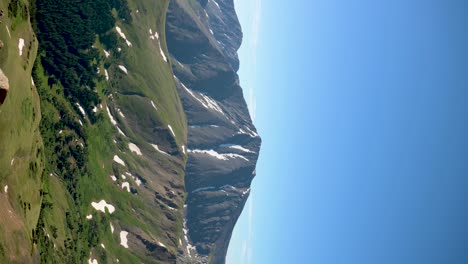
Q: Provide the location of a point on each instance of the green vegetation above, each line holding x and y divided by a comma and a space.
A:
57, 160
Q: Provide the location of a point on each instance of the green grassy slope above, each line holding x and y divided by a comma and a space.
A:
21, 151
80, 157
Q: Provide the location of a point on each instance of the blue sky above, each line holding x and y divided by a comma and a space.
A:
362, 108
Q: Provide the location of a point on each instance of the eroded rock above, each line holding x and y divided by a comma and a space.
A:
4, 87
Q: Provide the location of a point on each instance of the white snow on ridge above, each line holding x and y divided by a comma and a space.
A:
122, 35
157, 148
92, 261
172, 131
212, 103
126, 185
248, 132
114, 122
216, 4
102, 205
123, 239
206, 101
119, 160
112, 228
106, 74
8, 30
236, 147
20, 46
154, 106
81, 109
106, 53
134, 148
224, 156
183, 149
113, 178
111, 117
162, 53
153, 36
120, 112
161, 244
122, 68
5, 189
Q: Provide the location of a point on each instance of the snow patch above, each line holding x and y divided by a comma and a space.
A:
113, 178
183, 149
236, 147
89, 217
8, 30
153, 36
134, 148
123, 239
32, 82
224, 156
122, 35
154, 106
120, 113
111, 117
102, 205
106, 74
112, 228
126, 185
20, 46
5, 189
205, 101
119, 160
106, 53
114, 122
102, 245
157, 148
216, 4
12, 161
92, 261
172, 131
162, 53
161, 244
122, 68
81, 109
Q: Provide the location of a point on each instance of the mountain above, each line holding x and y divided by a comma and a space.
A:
203, 38
124, 134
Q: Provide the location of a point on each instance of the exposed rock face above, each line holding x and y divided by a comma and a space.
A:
203, 38
4, 87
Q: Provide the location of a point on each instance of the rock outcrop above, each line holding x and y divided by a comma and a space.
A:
4, 87
203, 38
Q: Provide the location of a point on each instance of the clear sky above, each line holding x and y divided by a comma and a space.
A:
362, 106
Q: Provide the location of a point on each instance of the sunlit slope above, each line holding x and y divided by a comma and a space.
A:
21, 151
114, 188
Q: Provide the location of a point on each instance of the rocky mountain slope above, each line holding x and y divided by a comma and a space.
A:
123, 138
203, 38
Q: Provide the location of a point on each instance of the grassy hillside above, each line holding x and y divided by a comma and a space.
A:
21, 150
61, 130
138, 107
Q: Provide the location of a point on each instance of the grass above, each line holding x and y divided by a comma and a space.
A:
149, 79
61, 231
